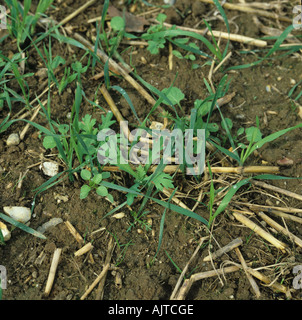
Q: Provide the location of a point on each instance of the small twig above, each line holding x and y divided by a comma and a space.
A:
230, 246
170, 56
96, 281
174, 293
248, 275
227, 57
100, 291
236, 170
19, 186
176, 200
117, 67
24, 131
276, 286
77, 12
52, 271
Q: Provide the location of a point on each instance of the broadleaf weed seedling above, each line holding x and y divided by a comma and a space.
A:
158, 35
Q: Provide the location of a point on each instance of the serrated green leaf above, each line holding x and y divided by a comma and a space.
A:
154, 46
163, 180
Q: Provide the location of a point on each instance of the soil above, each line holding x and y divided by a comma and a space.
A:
27, 259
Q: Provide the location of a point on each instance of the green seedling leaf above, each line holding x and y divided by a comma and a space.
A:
117, 23
105, 175
57, 61
49, 142
253, 134
174, 94
102, 191
154, 46
163, 180
228, 197
84, 191
161, 17
97, 178
177, 54
227, 122
240, 131
213, 127
85, 174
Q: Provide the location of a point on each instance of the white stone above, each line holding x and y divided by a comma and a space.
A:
21, 214
50, 168
13, 139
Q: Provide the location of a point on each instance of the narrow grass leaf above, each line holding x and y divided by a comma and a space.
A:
21, 226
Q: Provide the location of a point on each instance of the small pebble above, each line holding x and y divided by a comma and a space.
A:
50, 168
13, 140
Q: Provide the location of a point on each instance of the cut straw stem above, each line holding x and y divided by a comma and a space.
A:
261, 232
277, 189
202, 275
52, 271
280, 228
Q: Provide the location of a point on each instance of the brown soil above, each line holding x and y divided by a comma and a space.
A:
135, 248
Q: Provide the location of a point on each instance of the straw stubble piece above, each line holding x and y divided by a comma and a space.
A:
86, 248
183, 291
280, 228
52, 271
261, 232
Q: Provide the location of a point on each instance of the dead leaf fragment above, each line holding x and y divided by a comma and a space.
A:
133, 23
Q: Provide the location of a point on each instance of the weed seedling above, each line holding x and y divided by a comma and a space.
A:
94, 182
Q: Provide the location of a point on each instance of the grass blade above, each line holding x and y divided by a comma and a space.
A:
21, 226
